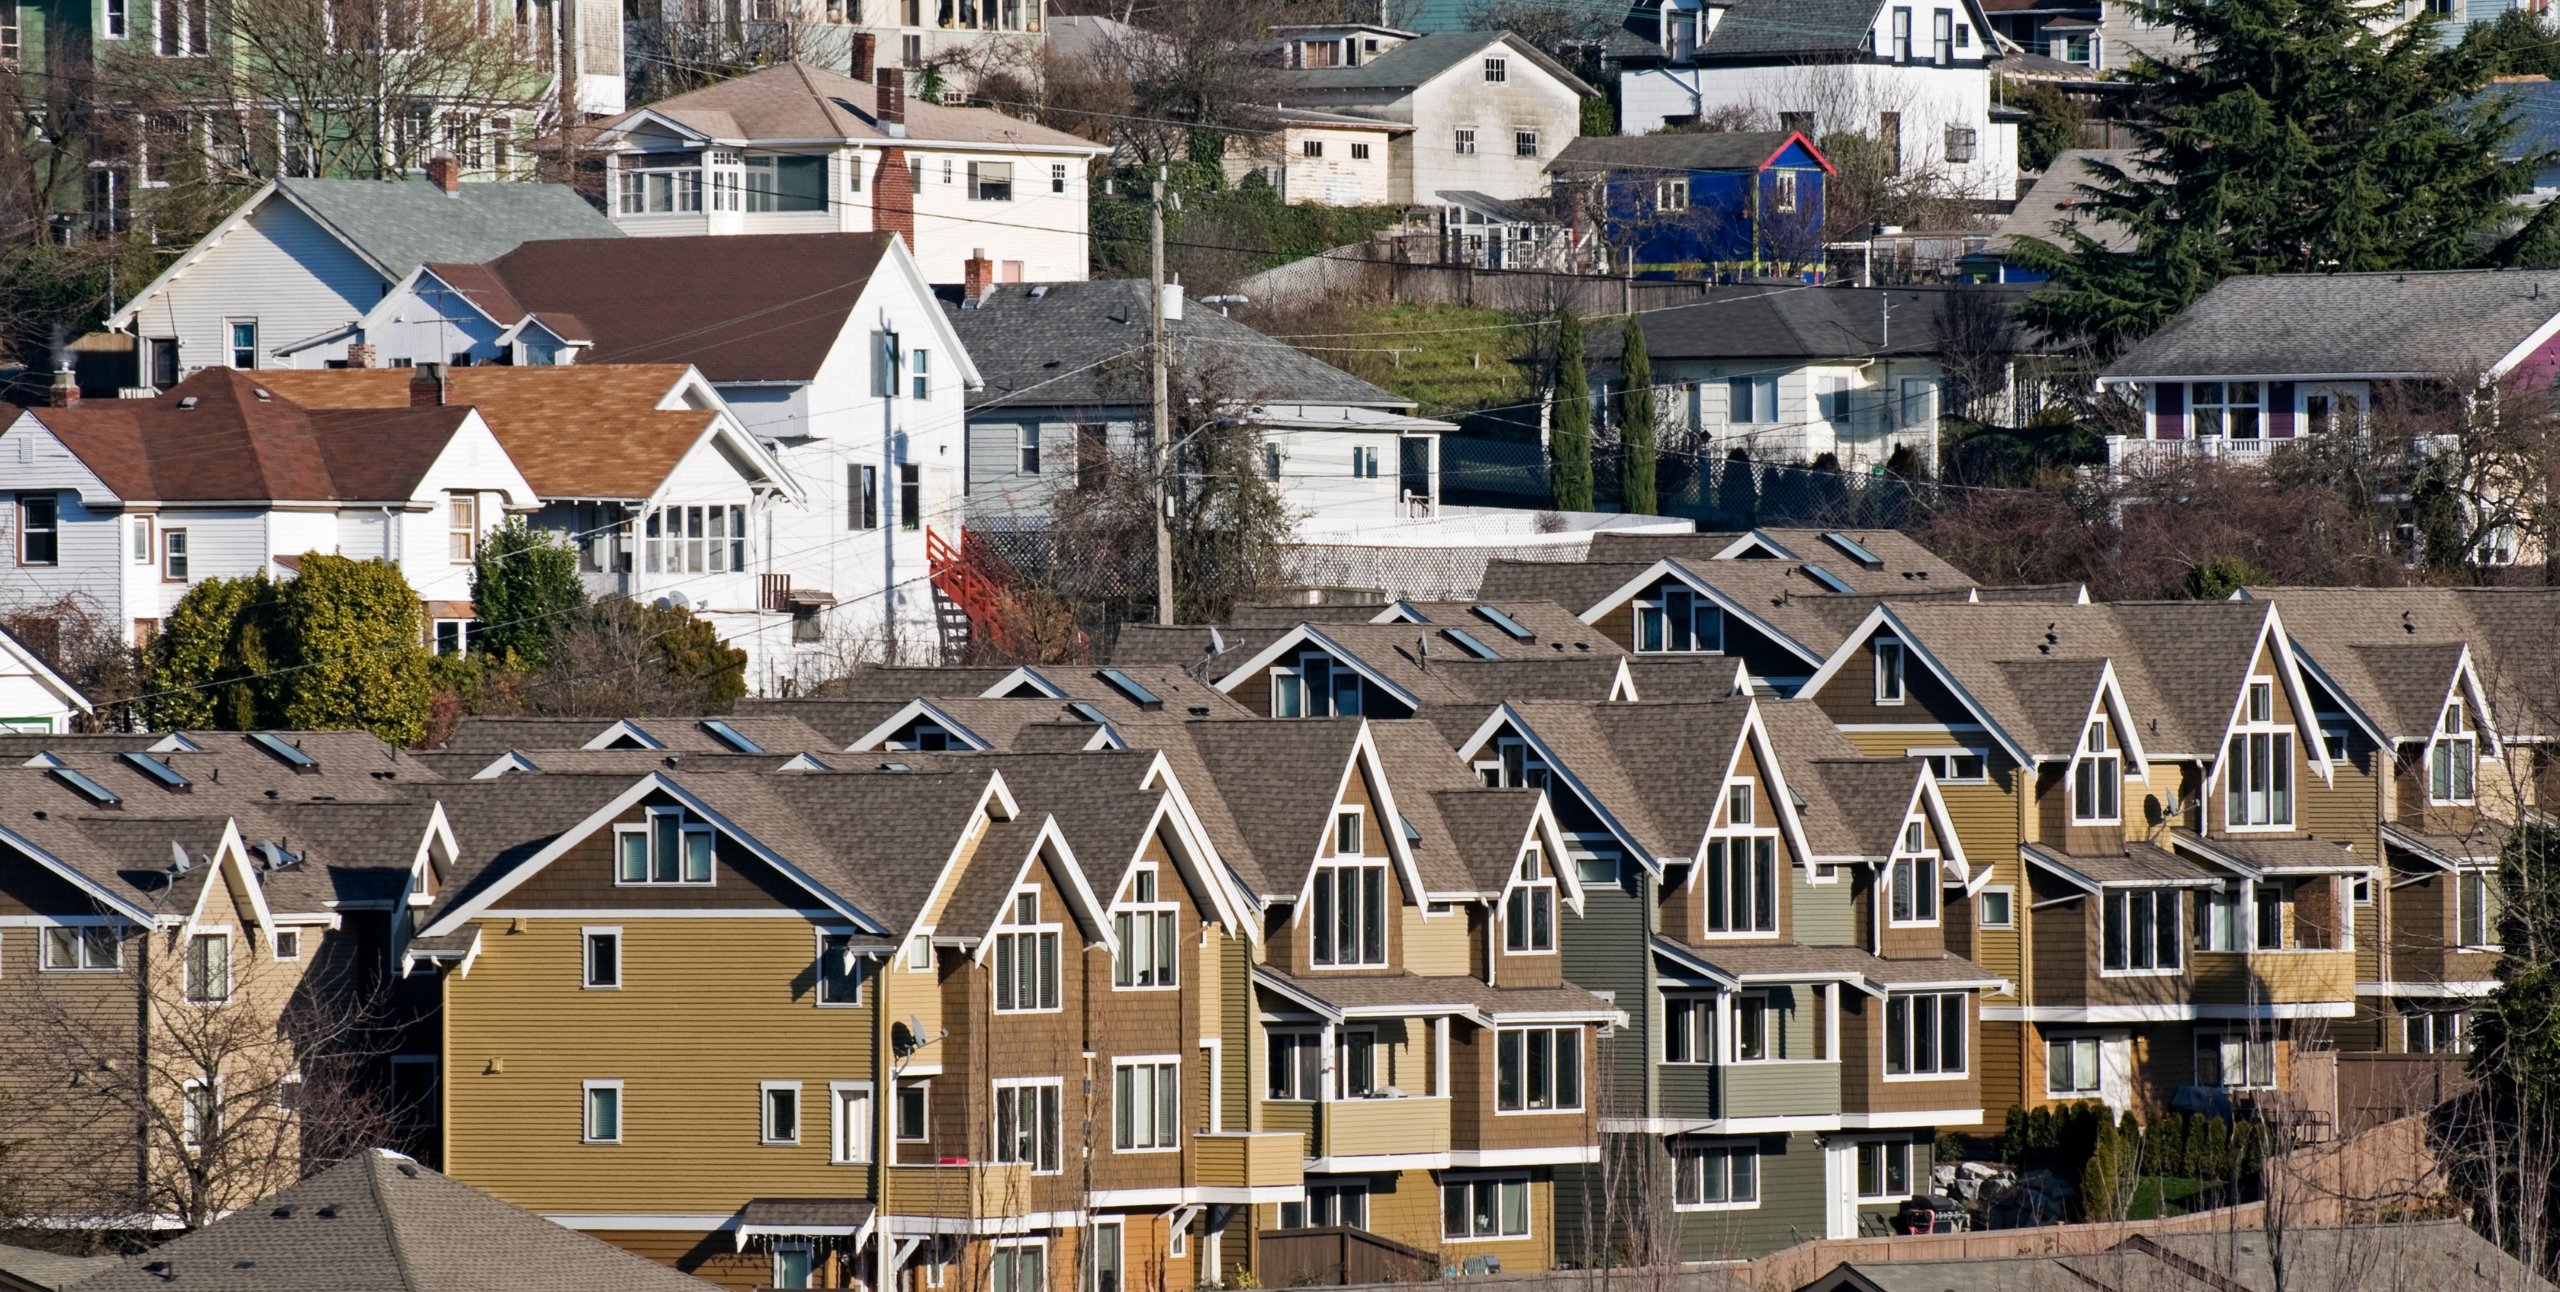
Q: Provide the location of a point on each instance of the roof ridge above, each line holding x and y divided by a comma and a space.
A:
375, 1161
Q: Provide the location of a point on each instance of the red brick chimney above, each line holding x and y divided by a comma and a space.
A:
977, 276
65, 390
892, 105
445, 173
426, 389
866, 47
893, 197
361, 354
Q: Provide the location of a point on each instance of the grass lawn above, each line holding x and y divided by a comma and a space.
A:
2165, 1195
1446, 358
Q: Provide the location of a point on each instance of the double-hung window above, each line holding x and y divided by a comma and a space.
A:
39, 529
1688, 1029
1538, 1069
1026, 1124
1145, 1105
1026, 959
2142, 931
1484, 1208
990, 181
2258, 783
2097, 777
209, 968
1529, 911
1901, 35
2229, 409
1295, 1063
2235, 1061
1924, 1034
1351, 907
1679, 621
1027, 459
1913, 880
1463, 141
1942, 37
1751, 401
2071, 1067
668, 849
1144, 927
2475, 894
1884, 1170
1714, 1173
2454, 756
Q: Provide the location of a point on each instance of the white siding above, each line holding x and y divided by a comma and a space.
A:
1700, 392
1527, 98
278, 268
1850, 96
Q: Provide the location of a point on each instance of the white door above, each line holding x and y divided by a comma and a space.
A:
1840, 1189
2115, 1072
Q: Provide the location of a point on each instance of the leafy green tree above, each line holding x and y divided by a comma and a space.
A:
2104, 1172
2303, 136
1571, 437
524, 586
209, 666
1599, 119
1636, 426
358, 650
2052, 124
692, 655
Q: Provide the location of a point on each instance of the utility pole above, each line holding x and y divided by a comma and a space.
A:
1162, 444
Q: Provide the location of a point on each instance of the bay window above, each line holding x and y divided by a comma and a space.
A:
662, 186
695, 539
2141, 930
1924, 1034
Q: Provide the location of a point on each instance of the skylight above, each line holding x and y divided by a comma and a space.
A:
1830, 582
1467, 642
89, 789
1128, 686
159, 771
731, 736
1088, 713
1494, 615
290, 755
1411, 835
1853, 549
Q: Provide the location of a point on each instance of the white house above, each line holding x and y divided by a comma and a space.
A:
1487, 109
796, 148
280, 282
829, 349
127, 503
1335, 158
1914, 75
34, 699
644, 470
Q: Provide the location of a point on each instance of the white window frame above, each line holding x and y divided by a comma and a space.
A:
1692, 1155
1027, 453
2453, 757
1513, 1048
1763, 861
288, 944
802, 1247
145, 548
2008, 894
1890, 657
2101, 758
1758, 392
1043, 941
1773, 1028
1697, 1039
2476, 883
196, 991
1924, 886
1047, 1154
2249, 1047
686, 832
462, 527
1146, 920
587, 938
1162, 1075
1497, 70
1501, 1184
765, 1091
1010, 1250
854, 970
1909, 1054
191, 1121
2259, 742
1529, 908
2072, 1044
2219, 922
849, 1132
1462, 141
587, 1111
1676, 611
2435, 1031
81, 942
1945, 767
2232, 404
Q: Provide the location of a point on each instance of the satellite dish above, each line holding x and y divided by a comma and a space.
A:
902, 1040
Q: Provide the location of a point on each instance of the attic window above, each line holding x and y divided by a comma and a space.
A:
1129, 686
1496, 616
1854, 550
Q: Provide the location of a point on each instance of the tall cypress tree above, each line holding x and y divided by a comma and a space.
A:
1636, 423
2304, 136
1570, 439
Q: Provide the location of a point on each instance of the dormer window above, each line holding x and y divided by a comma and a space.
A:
1913, 880
1512, 766
1144, 925
2097, 778
669, 848
1316, 688
2454, 756
1679, 622
2258, 782
1026, 958
1888, 671
1529, 911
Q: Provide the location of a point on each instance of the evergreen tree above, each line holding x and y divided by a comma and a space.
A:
1636, 424
2304, 136
359, 657
2514, 1108
209, 665
1570, 440
524, 585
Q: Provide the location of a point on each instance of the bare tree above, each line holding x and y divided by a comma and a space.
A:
86, 648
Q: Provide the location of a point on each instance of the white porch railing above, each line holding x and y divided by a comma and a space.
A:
2128, 452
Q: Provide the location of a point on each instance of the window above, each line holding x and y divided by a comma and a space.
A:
1484, 1208
1364, 462
1742, 884
2236, 1061
912, 1124
1026, 959
1670, 195
1914, 887
2436, 1031
839, 970
1524, 143
920, 953
1942, 37
1329, 1204
1924, 1034
119, 25
1027, 459
1958, 766
1296, 1065
1311, 148
200, 1112
1783, 188
990, 181
2218, 919
288, 944
2258, 783
462, 527
1513, 766
1465, 142
1355, 1063
209, 968
792, 1260
669, 849
1104, 1256
2143, 931
849, 1138
1017, 1267
1145, 1101
1058, 177
1360, 152
604, 1112
89, 946
781, 1112
1998, 908
1751, 1034
1271, 459
911, 491
244, 343
695, 539
2453, 758
603, 958
1884, 1170
1751, 400
1529, 911
862, 498
1145, 929
2097, 778
1714, 1173
1688, 1029
920, 368
675, 189
1538, 1069
2475, 909
1496, 70
1901, 51
1960, 144
1027, 1124
1351, 910
143, 547
2225, 408
886, 361
2071, 1067
173, 555
453, 636
1679, 621
39, 529
1889, 656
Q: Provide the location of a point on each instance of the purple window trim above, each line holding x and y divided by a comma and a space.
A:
2169, 411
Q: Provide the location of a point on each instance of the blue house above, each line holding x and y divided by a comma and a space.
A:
1726, 205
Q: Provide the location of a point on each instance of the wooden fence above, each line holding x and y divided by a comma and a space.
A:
2378, 1088
1332, 1255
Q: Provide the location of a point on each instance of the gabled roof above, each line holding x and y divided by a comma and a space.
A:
801, 103
224, 435
1735, 150
379, 1222
1765, 28
2465, 325
1413, 63
2056, 202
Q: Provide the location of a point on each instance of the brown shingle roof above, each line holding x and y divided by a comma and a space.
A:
801, 102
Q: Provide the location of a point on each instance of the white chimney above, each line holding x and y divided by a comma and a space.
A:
1173, 302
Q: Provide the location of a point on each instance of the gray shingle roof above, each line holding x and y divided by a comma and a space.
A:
1418, 60
45, 1270
379, 1222
2452, 323
403, 224
1080, 345
2055, 201
1718, 150
1768, 321
1765, 28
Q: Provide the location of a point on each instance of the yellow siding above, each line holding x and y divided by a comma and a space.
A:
2276, 977
1406, 1208
1436, 947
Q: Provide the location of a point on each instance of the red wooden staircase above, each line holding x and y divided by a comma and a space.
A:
977, 596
